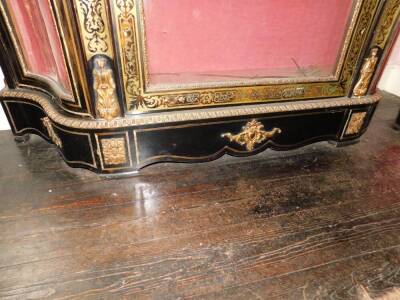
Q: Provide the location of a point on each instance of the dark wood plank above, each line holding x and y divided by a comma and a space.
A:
314, 223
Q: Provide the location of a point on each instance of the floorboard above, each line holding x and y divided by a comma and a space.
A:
315, 223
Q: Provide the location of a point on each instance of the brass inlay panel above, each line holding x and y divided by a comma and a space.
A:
366, 74
184, 115
52, 134
253, 133
389, 16
95, 30
356, 122
204, 98
129, 55
359, 37
114, 151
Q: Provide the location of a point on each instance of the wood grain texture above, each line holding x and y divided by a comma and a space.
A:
315, 223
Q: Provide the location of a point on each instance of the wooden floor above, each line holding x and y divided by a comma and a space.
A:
315, 223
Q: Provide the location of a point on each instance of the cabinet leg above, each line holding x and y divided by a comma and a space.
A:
344, 143
22, 139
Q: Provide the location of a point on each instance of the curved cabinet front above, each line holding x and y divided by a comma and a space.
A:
125, 145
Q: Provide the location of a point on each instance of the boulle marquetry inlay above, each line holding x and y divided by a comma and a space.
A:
205, 98
361, 32
94, 27
129, 51
390, 13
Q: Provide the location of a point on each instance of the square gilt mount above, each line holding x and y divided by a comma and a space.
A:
114, 151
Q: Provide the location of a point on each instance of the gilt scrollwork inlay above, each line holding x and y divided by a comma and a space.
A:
366, 74
52, 134
106, 100
94, 25
114, 151
366, 16
390, 13
169, 101
253, 133
356, 122
129, 52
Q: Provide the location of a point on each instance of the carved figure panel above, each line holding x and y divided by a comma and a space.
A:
107, 106
366, 74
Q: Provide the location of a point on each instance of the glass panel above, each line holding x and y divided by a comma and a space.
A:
192, 41
38, 38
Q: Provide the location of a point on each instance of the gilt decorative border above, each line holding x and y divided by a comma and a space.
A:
389, 16
129, 55
183, 115
236, 92
360, 35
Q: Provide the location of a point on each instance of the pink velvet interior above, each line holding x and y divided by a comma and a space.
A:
208, 40
39, 40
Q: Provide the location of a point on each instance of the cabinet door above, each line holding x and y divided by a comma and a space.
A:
191, 42
38, 41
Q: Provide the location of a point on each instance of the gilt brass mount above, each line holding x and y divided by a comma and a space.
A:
107, 106
253, 133
356, 123
50, 130
114, 151
367, 72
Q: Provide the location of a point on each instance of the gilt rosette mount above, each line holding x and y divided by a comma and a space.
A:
118, 85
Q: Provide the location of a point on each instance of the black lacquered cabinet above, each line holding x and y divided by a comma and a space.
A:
117, 85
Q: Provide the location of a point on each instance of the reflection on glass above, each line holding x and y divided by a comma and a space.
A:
192, 41
38, 38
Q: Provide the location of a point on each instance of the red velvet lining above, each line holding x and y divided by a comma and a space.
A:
209, 38
39, 40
